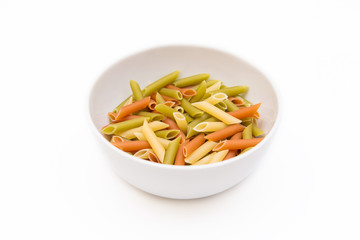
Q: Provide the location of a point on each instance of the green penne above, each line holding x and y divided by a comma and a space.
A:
193, 111
188, 118
151, 116
162, 82
247, 121
247, 133
221, 105
204, 118
256, 131
230, 105
171, 93
230, 91
200, 92
159, 98
117, 109
171, 151
123, 126
192, 80
135, 88
166, 110
167, 134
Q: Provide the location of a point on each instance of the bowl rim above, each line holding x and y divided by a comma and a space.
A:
184, 167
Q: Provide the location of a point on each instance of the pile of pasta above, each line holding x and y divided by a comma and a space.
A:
188, 121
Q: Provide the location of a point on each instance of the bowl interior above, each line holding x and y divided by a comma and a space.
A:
147, 66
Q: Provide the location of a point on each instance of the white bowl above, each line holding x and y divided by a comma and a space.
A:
182, 182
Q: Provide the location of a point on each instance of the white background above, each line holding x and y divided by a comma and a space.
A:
54, 182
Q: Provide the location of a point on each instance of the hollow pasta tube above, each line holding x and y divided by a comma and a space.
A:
167, 134
216, 112
131, 108
200, 92
186, 92
225, 133
151, 116
135, 88
171, 151
171, 93
179, 158
219, 156
194, 144
173, 125
155, 126
209, 126
230, 91
166, 110
143, 153
245, 112
237, 144
193, 111
179, 109
256, 131
180, 121
123, 126
216, 98
200, 152
247, 133
132, 146
153, 141
192, 80
162, 82
221, 105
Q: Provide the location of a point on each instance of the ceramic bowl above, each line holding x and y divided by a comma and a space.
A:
182, 182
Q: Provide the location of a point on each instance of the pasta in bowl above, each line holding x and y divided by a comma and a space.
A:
186, 134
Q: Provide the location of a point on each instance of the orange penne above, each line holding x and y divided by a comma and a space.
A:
180, 159
152, 104
131, 108
236, 101
184, 92
194, 144
237, 144
129, 117
233, 153
224, 133
132, 146
166, 98
245, 112
173, 125
169, 103
257, 115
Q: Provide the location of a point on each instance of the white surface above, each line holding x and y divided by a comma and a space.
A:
182, 182
53, 182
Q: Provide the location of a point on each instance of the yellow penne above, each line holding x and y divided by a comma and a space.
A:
214, 87
155, 126
216, 112
129, 101
205, 160
200, 152
150, 136
216, 98
180, 121
163, 141
219, 156
209, 126
143, 154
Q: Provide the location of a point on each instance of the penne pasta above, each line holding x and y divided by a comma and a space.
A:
237, 144
116, 128
219, 156
200, 92
159, 98
171, 93
205, 160
155, 126
143, 153
135, 88
214, 87
200, 152
230, 91
193, 111
209, 126
152, 105
132, 146
131, 108
225, 133
247, 133
165, 110
167, 134
180, 121
186, 92
179, 158
151, 138
179, 109
214, 111
233, 153
194, 144
173, 125
162, 82
171, 151
164, 142
117, 139
256, 131
151, 116
192, 80
245, 112
216, 98
221, 106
